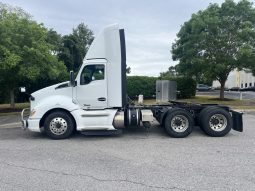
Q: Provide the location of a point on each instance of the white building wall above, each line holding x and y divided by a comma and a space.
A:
239, 79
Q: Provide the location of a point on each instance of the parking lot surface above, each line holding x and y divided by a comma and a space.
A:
136, 160
228, 94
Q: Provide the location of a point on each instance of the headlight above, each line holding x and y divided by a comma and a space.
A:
32, 113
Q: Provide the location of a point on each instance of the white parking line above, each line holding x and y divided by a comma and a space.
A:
9, 125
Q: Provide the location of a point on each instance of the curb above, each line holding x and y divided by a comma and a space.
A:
10, 113
11, 125
245, 110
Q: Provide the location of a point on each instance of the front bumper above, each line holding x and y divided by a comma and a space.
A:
24, 117
29, 123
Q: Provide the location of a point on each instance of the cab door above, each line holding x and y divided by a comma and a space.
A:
91, 90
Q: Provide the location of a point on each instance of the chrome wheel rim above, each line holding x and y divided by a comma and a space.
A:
58, 126
218, 122
179, 123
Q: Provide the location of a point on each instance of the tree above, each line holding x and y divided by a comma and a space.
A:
216, 41
170, 73
84, 37
75, 46
55, 40
67, 50
24, 53
128, 70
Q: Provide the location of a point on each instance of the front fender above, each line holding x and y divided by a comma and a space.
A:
53, 102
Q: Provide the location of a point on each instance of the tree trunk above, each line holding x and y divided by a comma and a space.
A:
12, 101
222, 88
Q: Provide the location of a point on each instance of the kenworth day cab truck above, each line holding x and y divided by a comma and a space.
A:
96, 101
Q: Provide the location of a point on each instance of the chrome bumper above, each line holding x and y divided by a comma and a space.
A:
24, 117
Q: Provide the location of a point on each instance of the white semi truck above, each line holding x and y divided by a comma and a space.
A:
95, 102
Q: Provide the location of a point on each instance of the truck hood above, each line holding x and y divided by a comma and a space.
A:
58, 89
50, 89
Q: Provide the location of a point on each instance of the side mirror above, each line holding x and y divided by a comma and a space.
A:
22, 89
72, 82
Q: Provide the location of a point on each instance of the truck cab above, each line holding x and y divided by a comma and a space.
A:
98, 91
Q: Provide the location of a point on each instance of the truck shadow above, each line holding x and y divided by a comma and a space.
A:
130, 133
138, 133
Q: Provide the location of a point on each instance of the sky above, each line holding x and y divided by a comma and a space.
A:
150, 25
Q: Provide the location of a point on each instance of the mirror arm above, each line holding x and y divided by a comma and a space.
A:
72, 81
32, 98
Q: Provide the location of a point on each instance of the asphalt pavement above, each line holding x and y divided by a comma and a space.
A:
136, 160
10, 121
229, 94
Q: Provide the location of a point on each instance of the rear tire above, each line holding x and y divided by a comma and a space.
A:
215, 121
59, 125
201, 115
178, 123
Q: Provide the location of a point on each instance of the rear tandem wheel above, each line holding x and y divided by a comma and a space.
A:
178, 123
215, 121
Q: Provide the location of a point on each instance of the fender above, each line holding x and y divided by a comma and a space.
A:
53, 102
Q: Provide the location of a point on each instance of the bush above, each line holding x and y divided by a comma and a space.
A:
147, 86
186, 86
141, 85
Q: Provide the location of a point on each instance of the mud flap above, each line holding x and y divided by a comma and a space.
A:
237, 121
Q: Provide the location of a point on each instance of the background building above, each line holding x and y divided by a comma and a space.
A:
240, 79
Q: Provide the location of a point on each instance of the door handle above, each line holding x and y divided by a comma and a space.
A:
101, 99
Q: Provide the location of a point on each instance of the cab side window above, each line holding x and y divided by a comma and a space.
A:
92, 73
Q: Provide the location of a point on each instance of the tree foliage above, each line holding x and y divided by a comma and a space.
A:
128, 70
75, 46
170, 73
186, 86
147, 86
55, 40
34, 56
25, 54
217, 40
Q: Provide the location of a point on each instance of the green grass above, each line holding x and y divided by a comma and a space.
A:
17, 105
6, 109
233, 103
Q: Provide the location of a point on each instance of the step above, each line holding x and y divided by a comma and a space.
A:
102, 132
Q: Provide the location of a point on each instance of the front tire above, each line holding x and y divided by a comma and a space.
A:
59, 125
179, 123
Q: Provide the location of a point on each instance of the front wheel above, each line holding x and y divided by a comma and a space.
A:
59, 125
179, 123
